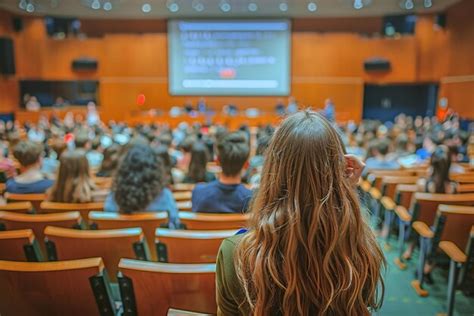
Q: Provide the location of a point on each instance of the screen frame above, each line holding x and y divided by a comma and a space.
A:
170, 78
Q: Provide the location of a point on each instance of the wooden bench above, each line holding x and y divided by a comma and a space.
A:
182, 196
189, 246
152, 288
77, 287
34, 199
180, 187
83, 208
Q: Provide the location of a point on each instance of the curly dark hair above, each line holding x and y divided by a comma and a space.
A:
139, 179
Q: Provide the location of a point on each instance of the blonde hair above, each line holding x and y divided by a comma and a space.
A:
309, 250
73, 184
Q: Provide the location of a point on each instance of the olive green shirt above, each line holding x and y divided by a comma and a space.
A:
230, 293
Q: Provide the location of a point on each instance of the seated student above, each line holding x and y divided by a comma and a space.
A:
197, 167
308, 249
254, 171
110, 161
139, 186
51, 163
438, 179
30, 180
73, 184
94, 155
226, 195
380, 161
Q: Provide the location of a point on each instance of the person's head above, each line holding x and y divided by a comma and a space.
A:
382, 147
95, 143
111, 159
262, 145
81, 140
28, 153
198, 163
139, 179
58, 146
440, 163
309, 250
401, 143
73, 184
232, 152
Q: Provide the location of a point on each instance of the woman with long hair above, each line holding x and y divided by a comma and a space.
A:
139, 185
73, 183
308, 249
197, 171
438, 180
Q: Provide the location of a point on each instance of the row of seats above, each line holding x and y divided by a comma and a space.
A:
441, 222
81, 287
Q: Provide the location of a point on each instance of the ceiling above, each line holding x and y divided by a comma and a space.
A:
143, 9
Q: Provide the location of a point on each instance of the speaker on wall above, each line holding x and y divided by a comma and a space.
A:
84, 64
17, 24
7, 56
377, 65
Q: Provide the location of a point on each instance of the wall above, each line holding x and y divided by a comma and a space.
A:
458, 83
323, 64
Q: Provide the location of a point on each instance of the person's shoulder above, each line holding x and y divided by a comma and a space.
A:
203, 187
230, 243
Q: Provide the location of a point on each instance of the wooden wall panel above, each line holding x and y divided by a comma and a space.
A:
460, 96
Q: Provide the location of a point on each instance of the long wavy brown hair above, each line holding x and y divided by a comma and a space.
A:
309, 249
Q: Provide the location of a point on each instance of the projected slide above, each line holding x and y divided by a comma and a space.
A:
229, 57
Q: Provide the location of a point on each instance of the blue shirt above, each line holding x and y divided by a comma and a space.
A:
164, 202
216, 197
28, 188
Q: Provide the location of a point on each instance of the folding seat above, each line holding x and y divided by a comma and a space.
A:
189, 246
76, 287
152, 288
208, 221
19, 245
111, 245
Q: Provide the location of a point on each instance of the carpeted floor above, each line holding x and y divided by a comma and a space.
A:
401, 298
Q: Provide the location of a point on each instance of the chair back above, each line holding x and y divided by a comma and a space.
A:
77, 287
404, 194
148, 222
111, 245
182, 196
207, 221
180, 187
375, 175
389, 184
426, 204
151, 288
38, 222
463, 177
453, 223
465, 188
189, 246
35, 199
185, 206
83, 208
18, 207
19, 245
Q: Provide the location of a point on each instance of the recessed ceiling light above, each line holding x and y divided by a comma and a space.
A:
173, 7
107, 6
409, 4
199, 7
22, 4
283, 7
428, 3
95, 5
146, 8
252, 7
225, 7
358, 4
30, 8
312, 7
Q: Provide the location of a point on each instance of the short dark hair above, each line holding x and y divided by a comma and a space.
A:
81, 139
233, 151
382, 147
27, 153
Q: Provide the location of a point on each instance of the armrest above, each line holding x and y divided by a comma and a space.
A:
453, 251
365, 186
402, 213
375, 193
388, 203
423, 230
